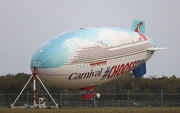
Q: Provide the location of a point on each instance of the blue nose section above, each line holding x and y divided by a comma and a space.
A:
46, 58
37, 64
50, 55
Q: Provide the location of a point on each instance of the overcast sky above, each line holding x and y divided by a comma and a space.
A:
26, 24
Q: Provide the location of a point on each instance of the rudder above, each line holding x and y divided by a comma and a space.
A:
140, 71
138, 26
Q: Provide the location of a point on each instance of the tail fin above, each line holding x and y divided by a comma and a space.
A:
140, 71
138, 26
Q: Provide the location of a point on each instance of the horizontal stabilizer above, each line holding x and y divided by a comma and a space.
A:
156, 49
140, 71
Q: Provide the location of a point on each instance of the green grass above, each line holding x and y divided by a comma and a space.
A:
97, 110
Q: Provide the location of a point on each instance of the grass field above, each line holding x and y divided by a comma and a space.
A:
97, 110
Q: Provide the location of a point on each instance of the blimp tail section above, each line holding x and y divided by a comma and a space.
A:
140, 71
138, 26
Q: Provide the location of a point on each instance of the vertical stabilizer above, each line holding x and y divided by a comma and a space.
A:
138, 26
140, 71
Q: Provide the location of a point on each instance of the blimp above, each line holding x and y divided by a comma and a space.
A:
87, 57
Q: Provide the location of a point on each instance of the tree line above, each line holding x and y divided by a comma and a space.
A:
13, 84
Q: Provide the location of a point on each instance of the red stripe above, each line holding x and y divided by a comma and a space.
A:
98, 63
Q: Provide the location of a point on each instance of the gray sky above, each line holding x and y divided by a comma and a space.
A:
26, 24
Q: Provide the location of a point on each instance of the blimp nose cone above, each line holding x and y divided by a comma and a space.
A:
44, 59
50, 55
37, 64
